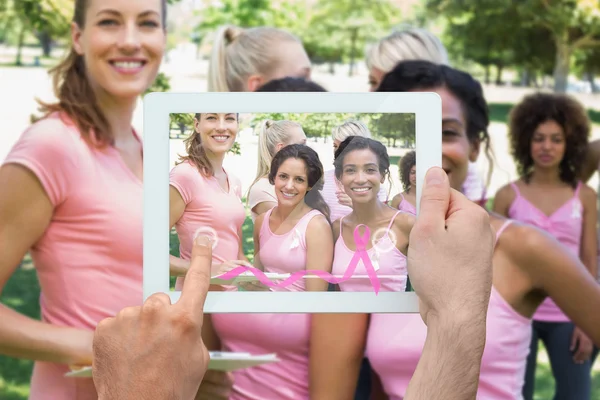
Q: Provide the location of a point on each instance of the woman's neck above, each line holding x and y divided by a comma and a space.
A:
545, 177
119, 115
285, 212
216, 161
367, 212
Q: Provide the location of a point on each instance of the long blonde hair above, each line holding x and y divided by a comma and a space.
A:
238, 53
403, 45
271, 134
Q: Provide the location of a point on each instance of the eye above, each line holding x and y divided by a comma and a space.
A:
151, 23
108, 22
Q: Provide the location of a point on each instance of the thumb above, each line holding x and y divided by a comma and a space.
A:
435, 199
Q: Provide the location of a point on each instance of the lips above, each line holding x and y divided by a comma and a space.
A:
361, 189
128, 65
288, 195
221, 138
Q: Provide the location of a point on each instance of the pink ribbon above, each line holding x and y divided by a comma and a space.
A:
360, 254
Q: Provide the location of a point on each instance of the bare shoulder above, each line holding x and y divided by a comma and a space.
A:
318, 224
506, 192
587, 194
404, 222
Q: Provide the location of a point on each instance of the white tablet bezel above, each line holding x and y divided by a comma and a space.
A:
158, 106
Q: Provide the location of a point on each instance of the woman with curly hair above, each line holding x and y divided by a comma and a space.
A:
407, 200
549, 137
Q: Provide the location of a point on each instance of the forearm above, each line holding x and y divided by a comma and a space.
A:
24, 337
451, 359
178, 266
336, 353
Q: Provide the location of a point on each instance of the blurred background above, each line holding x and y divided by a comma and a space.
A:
513, 47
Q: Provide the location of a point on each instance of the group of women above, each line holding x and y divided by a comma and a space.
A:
76, 207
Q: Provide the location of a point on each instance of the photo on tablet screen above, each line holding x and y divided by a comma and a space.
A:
307, 211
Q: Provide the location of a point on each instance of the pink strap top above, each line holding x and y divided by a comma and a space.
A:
287, 335
285, 253
395, 343
389, 262
406, 206
565, 224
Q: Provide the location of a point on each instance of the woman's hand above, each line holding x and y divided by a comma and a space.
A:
220, 269
216, 385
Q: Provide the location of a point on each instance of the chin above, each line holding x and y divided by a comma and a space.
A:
127, 90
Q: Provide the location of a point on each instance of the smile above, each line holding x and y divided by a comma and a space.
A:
221, 138
361, 190
128, 66
288, 195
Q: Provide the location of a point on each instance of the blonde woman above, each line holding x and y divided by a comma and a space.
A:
243, 60
274, 136
333, 192
418, 44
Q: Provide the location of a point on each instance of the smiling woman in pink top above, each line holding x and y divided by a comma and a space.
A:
293, 236
76, 198
549, 136
203, 196
407, 200
529, 265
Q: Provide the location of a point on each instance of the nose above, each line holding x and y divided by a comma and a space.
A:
289, 184
130, 38
360, 176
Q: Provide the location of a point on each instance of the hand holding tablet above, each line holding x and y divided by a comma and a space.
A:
157, 342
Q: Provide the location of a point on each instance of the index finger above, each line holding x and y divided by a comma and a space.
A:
197, 278
435, 198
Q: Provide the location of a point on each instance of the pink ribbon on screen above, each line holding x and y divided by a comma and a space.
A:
359, 254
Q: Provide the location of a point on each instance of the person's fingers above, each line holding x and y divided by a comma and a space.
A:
435, 197
197, 279
573, 341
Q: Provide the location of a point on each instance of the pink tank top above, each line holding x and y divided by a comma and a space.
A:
395, 343
287, 335
406, 206
389, 262
565, 224
285, 253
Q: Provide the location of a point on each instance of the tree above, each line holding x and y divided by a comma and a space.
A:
587, 65
348, 25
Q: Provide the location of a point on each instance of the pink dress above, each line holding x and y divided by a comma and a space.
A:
287, 335
406, 206
395, 343
89, 259
208, 205
331, 186
565, 224
388, 261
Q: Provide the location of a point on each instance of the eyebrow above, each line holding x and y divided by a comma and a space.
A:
116, 13
454, 120
366, 165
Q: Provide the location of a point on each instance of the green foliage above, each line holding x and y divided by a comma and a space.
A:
160, 84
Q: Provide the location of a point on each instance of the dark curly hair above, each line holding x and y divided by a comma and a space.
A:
352, 143
408, 161
538, 108
291, 84
422, 75
314, 172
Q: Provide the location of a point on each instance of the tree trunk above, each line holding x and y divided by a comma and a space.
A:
46, 42
487, 75
499, 68
20, 43
353, 39
590, 78
332, 68
561, 67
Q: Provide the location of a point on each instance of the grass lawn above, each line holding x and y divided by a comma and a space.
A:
22, 291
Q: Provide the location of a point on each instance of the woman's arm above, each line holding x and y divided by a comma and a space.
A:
396, 201
589, 237
177, 265
337, 346
319, 251
263, 207
592, 159
257, 225
503, 199
555, 271
25, 214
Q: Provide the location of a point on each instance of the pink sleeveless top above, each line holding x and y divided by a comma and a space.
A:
565, 224
406, 206
389, 262
285, 334
395, 343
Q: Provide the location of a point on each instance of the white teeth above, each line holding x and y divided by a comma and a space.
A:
128, 64
360, 189
221, 138
288, 194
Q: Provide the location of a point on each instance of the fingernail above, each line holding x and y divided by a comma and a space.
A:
203, 240
434, 177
